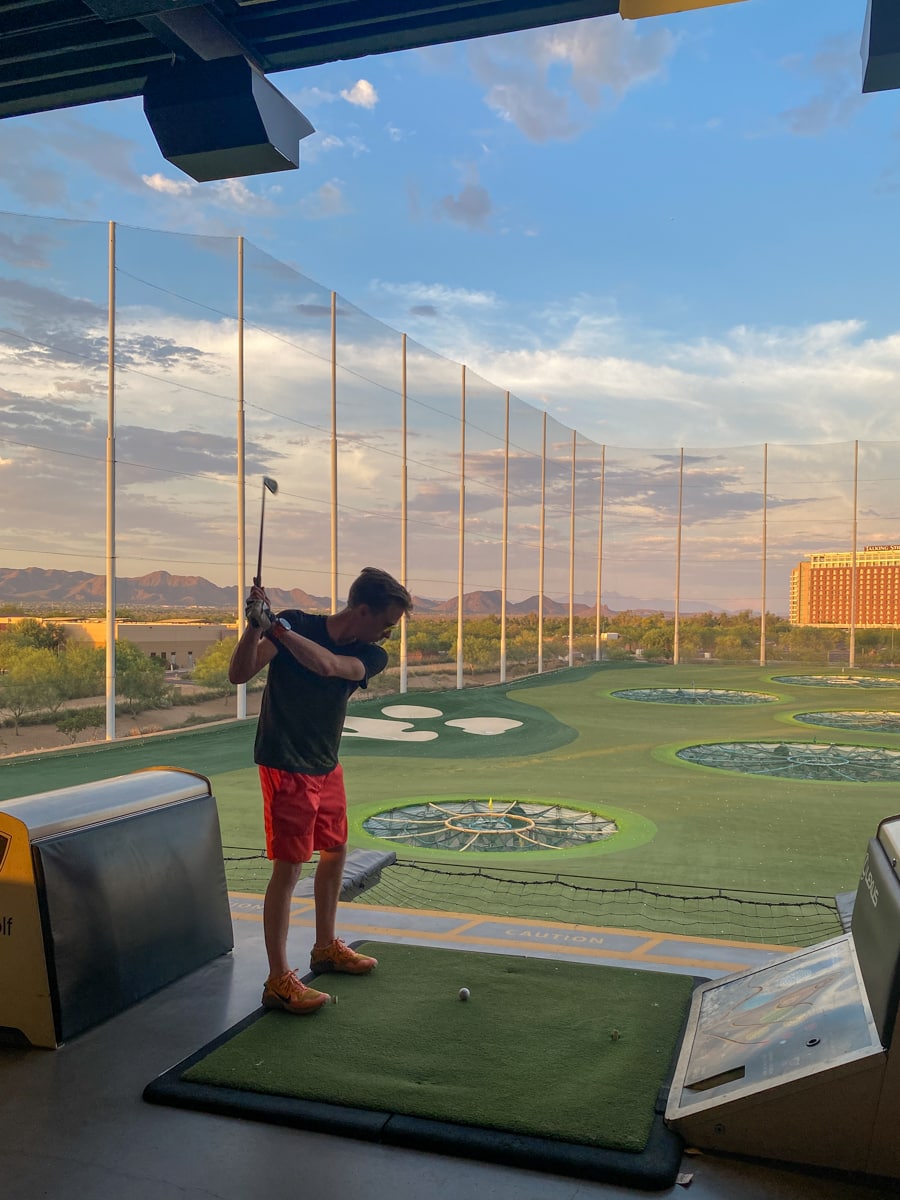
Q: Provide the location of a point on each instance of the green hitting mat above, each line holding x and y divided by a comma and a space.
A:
550, 1065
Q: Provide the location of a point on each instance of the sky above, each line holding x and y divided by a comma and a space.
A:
679, 230
674, 232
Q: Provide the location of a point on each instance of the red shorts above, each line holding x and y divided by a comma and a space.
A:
303, 813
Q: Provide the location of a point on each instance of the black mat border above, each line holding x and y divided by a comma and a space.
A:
652, 1169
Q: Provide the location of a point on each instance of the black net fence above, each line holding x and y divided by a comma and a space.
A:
770, 918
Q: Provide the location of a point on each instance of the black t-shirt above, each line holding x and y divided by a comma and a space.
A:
301, 717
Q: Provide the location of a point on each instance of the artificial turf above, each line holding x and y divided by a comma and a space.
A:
580, 745
544, 1048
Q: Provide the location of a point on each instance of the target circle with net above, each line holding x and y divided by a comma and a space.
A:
799, 760
708, 696
489, 824
856, 681
871, 722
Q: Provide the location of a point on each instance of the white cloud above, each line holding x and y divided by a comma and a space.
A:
822, 382
835, 69
29, 144
310, 97
168, 187
438, 295
232, 195
599, 60
326, 201
362, 94
593, 371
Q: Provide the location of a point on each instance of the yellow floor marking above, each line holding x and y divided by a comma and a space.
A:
531, 922
466, 925
646, 951
469, 921
374, 931
662, 937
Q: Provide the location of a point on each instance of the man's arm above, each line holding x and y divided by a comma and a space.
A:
317, 658
251, 654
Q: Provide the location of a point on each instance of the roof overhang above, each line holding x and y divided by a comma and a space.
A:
202, 66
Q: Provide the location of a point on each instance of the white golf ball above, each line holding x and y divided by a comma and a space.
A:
463, 993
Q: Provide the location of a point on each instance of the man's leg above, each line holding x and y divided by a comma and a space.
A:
288, 845
329, 953
277, 914
327, 891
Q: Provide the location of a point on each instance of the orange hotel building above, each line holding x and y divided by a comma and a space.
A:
822, 593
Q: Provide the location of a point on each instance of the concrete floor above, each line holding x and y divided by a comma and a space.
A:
74, 1125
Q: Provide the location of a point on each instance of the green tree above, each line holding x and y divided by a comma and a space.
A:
140, 680
42, 635
433, 638
78, 719
481, 653
83, 667
24, 681
211, 671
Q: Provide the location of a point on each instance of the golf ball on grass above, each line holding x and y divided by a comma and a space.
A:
463, 993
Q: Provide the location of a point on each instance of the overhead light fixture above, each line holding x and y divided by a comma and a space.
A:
222, 119
881, 46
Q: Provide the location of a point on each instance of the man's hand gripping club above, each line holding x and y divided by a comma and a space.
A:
259, 614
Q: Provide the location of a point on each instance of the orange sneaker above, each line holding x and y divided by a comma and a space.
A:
287, 992
339, 957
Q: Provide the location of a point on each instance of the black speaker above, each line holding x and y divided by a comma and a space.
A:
881, 46
222, 119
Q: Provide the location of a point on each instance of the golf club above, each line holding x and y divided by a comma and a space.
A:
269, 485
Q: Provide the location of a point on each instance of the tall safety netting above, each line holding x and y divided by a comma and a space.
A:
54, 308
484, 504
523, 537
434, 398
287, 366
176, 483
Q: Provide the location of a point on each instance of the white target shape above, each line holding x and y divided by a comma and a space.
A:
484, 726
386, 731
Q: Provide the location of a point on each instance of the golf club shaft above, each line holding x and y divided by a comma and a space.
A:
269, 485
257, 579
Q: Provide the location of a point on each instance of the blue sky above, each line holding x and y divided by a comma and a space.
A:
675, 231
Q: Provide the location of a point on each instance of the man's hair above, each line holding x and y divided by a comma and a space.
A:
378, 590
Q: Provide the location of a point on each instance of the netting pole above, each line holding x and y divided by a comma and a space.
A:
111, 495
597, 640
462, 531
334, 463
504, 550
404, 515
854, 585
572, 558
541, 551
241, 472
675, 646
762, 603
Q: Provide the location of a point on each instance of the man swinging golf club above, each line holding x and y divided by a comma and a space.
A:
315, 664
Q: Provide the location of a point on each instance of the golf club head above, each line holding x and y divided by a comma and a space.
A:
270, 484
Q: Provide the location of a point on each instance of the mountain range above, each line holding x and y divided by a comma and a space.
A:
37, 588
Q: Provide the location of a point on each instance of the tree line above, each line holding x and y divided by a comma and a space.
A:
42, 671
